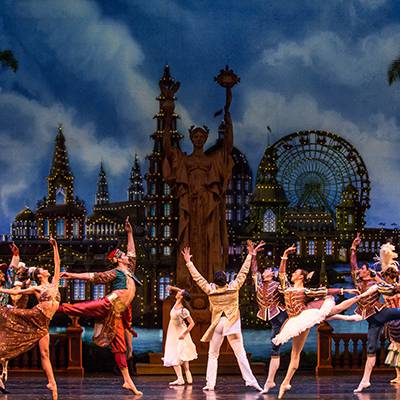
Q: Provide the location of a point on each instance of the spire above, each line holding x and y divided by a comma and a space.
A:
60, 164
102, 196
135, 191
60, 181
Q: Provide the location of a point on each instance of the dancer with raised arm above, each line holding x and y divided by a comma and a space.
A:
370, 308
271, 308
20, 330
109, 310
179, 347
225, 316
303, 316
9, 273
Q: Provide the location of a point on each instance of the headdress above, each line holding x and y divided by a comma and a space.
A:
116, 253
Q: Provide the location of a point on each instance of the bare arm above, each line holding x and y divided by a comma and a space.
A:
56, 277
131, 242
15, 258
353, 254
197, 277
188, 329
16, 291
284, 258
83, 276
173, 288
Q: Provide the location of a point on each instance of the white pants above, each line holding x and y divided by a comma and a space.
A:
236, 342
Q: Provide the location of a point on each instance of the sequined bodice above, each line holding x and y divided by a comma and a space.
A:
50, 293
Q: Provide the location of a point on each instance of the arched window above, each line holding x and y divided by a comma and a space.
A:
60, 228
167, 251
152, 231
350, 219
328, 248
167, 189
167, 209
311, 247
163, 282
269, 222
79, 289
60, 196
167, 231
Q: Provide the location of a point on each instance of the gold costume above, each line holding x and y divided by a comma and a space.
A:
21, 330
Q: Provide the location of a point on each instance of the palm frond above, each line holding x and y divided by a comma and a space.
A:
393, 73
7, 60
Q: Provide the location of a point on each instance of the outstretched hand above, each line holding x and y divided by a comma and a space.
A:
128, 226
14, 248
65, 275
52, 241
186, 254
259, 246
356, 241
290, 250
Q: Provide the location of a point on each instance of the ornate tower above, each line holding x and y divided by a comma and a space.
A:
60, 214
161, 215
269, 202
135, 190
60, 181
349, 217
102, 196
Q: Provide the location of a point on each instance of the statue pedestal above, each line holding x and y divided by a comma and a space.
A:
227, 364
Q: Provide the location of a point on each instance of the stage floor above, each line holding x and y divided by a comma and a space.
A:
228, 388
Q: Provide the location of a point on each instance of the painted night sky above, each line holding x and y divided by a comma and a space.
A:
94, 66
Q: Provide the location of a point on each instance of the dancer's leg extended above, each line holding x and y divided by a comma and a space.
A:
213, 354
91, 309
44, 346
344, 305
236, 342
298, 343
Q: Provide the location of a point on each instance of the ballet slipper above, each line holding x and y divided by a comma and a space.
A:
268, 386
132, 388
254, 385
3, 389
282, 389
177, 382
189, 378
53, 388
395, 380
362, 386
208, 388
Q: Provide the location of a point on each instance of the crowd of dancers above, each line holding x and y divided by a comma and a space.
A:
290, 306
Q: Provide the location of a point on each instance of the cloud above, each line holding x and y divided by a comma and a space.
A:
27, 139
341, 60
372, 4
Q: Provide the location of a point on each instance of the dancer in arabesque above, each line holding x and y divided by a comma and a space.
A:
179, 347
111, 310
304, 312
21, 329
225, 317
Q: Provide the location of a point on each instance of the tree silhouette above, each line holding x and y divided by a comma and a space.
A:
7, 60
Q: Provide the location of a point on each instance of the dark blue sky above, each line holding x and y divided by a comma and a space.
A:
94, 66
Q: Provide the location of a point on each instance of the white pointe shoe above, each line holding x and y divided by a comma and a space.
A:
208, 388
283, 389
189, 378
361, 387
267, 387
254, 385
178, 382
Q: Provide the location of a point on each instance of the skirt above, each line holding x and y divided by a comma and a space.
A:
20, 330
294, 326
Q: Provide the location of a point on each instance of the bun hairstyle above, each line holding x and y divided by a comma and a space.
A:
307, 275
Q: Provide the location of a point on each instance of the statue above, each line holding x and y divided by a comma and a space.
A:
199, 182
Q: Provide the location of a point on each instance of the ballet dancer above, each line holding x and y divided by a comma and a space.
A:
225, 317
179, 347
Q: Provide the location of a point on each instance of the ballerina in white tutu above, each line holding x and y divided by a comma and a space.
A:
304, 312
179, 347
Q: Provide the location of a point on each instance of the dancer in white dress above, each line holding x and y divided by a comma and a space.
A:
179, 347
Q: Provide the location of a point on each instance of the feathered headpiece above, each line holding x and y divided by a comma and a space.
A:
387, 249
